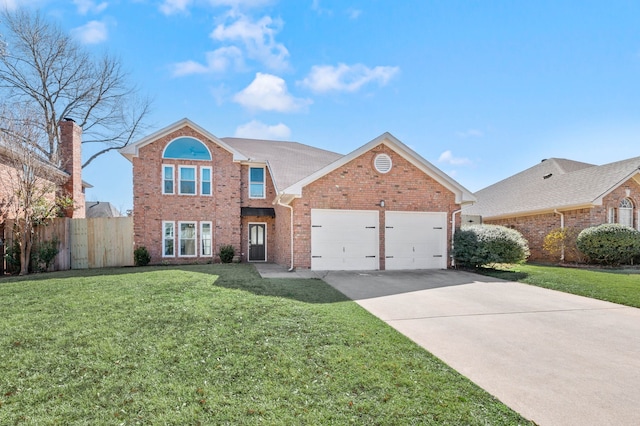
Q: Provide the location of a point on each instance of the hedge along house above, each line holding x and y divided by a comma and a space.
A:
561, 193
380, 207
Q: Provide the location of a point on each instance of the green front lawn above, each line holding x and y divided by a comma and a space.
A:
613, 285
214, 345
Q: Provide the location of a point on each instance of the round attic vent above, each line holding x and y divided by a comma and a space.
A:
382, 163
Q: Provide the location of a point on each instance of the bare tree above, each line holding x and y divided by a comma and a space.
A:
44, 68
30, 183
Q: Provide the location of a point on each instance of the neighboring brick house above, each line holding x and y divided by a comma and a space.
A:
560, 193
380, 207
69, 173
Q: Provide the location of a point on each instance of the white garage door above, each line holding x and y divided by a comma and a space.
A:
415, 240
344, 240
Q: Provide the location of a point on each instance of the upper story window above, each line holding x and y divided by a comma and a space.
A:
625, 212
167, 179
256, 182
205, 180
187, 180
187, 148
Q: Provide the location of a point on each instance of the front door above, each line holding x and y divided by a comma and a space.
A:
257, 242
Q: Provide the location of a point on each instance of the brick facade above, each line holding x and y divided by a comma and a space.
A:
151, 208
71, 162
535, 227
355, 185
358, 186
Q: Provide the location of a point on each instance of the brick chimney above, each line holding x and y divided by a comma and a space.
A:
71, 162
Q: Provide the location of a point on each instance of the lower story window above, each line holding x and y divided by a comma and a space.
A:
168, 239
205, 238
184, 235
187, 238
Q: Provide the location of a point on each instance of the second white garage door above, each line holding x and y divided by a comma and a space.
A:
344, 240
415, 240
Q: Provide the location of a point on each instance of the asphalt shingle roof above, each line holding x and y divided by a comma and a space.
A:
555, 183
289, 161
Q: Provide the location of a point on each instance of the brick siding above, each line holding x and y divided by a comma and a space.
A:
535, 227
151, 207
358, 186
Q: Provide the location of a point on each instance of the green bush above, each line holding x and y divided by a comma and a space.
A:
44, 254
141, 256
226, 253
480, 245
12, 256
610, 244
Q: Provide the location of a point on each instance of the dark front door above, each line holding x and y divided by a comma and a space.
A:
257, 242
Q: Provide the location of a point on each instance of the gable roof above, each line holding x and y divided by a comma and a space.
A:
553, 184
288, 162
100, 209
462, 194
131, 150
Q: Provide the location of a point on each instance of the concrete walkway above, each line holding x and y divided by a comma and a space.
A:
556, 358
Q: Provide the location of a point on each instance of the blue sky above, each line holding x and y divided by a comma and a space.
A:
481, 89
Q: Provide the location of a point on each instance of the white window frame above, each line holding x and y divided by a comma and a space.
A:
195, 238
202, 239
164, 239
611, 215
195, 180
625, 212
173, 180
264, 182
202, 181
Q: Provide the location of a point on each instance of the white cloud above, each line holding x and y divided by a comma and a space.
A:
268, 92
447, 157
354, 13
169, 7
85, 6
218, 60
256, 37
346, 78
258, 130
92, 32
471, 133
8, 4
236, 4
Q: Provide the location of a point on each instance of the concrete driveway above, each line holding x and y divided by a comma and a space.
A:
556, 358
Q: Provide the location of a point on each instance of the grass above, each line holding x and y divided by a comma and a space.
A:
613, 285
215, 345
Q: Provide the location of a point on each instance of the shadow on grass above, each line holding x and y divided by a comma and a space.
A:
241, 277
502, 274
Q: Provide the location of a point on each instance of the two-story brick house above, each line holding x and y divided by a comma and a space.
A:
380, 207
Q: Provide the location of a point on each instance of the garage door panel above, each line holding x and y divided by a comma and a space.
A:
344, 239
415, 240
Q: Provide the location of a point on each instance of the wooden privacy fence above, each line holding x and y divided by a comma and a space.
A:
86, 243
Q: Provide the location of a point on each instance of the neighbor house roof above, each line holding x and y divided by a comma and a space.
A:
100, 209
553, 184
288, 162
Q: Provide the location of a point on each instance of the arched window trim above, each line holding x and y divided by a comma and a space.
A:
164, 152
625, 212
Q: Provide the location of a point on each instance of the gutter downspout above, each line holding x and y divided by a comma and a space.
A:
290, 227
561, 227
453, 233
